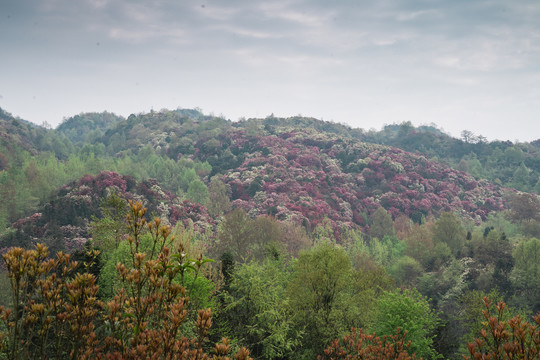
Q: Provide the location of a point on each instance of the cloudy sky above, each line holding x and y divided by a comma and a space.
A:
461, 64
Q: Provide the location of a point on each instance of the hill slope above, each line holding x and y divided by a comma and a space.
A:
298, 169
305, 169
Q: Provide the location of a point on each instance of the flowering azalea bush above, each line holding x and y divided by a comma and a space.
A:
64, 222
309, 175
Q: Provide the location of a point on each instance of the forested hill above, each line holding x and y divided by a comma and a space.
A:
303, 168
86, 127
314, 228
515, 165
299, 169
17, 134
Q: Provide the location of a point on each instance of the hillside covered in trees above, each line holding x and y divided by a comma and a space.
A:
314, 228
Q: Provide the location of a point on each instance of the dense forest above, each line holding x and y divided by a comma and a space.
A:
176, 234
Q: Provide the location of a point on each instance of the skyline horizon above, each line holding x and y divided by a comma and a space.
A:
381, 128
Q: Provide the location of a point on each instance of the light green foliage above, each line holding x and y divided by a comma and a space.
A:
368, 282
536, 188
267, 237
174, 176
471, 164
200, 288
197, 192
353, 241
441, 255
31, 179
420, 245
233, 234
319, 293
409, 311
500, 222
514, 155
219, 201
257, 310
185, 177
526, 273
369, 277
323, 232
448, 229
108, 280
520, 178
384, 252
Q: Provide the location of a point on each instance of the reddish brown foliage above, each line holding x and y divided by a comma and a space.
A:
359, 346
56, 313
499, 339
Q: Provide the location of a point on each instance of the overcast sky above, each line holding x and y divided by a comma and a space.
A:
461, 64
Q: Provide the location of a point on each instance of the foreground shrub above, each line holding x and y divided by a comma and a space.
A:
359, 346
55, 312
499, 339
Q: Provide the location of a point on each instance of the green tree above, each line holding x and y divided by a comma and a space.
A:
257, 310
524, 208
493, 252
520, 178
406, 270
448, 229
55, 312
526, 273
319, 296
471, 305
420, 244
537, 187
408, 311
219, 201
267, 237
294, 237
108, 231
369, 281
471, 164
234, 235
197, 192
381, 224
